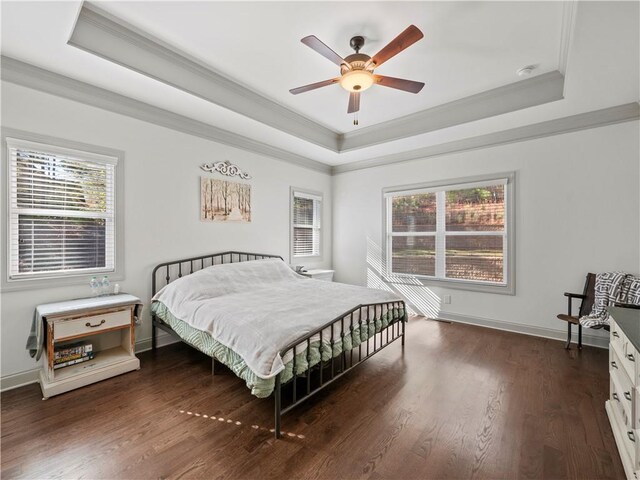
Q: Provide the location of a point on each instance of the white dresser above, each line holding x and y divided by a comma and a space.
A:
623, 406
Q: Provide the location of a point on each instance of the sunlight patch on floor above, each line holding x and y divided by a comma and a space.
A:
238, 423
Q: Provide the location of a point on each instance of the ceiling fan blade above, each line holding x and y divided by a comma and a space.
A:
407, 38
354, 102
399, 83
313, 86
316, 44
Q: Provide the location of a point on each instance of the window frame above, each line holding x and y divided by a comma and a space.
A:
312, 193
66, 147
509, 261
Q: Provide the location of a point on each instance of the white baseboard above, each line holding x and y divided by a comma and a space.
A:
600, 341
16, 380
163, 340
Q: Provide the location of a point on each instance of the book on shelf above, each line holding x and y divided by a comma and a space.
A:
68, 358
71, 351
68, 363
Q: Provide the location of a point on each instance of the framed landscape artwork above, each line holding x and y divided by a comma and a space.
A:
224, 201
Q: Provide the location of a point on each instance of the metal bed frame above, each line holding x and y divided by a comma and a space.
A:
287, 395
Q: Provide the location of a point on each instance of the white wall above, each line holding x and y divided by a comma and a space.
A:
577, 211
162, 196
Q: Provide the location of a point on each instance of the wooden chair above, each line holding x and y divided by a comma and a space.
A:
586, 304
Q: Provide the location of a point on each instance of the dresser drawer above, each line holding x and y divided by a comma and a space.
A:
626, 439
617, 337
627, 355
88, 325
629, 361
631, 439
625, 392
616, 397
618, 344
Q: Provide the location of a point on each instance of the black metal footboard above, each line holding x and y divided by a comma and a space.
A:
323, 373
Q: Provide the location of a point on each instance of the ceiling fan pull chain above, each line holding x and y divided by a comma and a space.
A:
355, 118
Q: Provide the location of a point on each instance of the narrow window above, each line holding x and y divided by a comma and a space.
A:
306, 213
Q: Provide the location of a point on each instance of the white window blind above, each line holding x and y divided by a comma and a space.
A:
457, 232
306, 214
61, 211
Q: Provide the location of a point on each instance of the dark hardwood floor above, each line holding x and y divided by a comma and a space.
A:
461, 402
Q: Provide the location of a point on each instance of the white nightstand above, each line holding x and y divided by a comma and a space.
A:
317, 274
108, 327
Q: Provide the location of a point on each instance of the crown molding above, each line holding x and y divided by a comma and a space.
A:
30, 76
113, 39
598, 118
24, 74
534, 91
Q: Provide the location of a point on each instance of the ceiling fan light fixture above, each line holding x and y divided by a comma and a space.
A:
357, 80
356, 70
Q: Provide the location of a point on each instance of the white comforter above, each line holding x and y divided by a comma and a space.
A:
259, 307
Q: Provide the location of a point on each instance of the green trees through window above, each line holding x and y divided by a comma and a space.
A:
61, 215
452, 233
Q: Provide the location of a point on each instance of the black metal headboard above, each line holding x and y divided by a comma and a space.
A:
178, 268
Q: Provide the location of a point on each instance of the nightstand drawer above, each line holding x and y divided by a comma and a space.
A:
91, 324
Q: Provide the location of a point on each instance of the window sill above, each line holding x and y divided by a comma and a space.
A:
55, 282
308, 257
482, 287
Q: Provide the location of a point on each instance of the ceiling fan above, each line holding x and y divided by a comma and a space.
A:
356, 70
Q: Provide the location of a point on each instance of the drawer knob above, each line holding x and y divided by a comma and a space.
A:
631, 436
615, 334
631, 357
88, 324
627, 395
614, 364
614, 395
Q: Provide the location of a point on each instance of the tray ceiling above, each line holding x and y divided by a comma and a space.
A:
469, 49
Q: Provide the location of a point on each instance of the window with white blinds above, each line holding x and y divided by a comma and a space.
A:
456, 232
61, 211
306, 226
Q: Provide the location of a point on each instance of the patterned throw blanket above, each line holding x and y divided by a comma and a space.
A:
611, 287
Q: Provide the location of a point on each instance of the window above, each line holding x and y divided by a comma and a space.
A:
459, 233
306, 214
61, 213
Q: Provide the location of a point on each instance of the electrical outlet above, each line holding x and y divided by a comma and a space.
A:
447, 299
